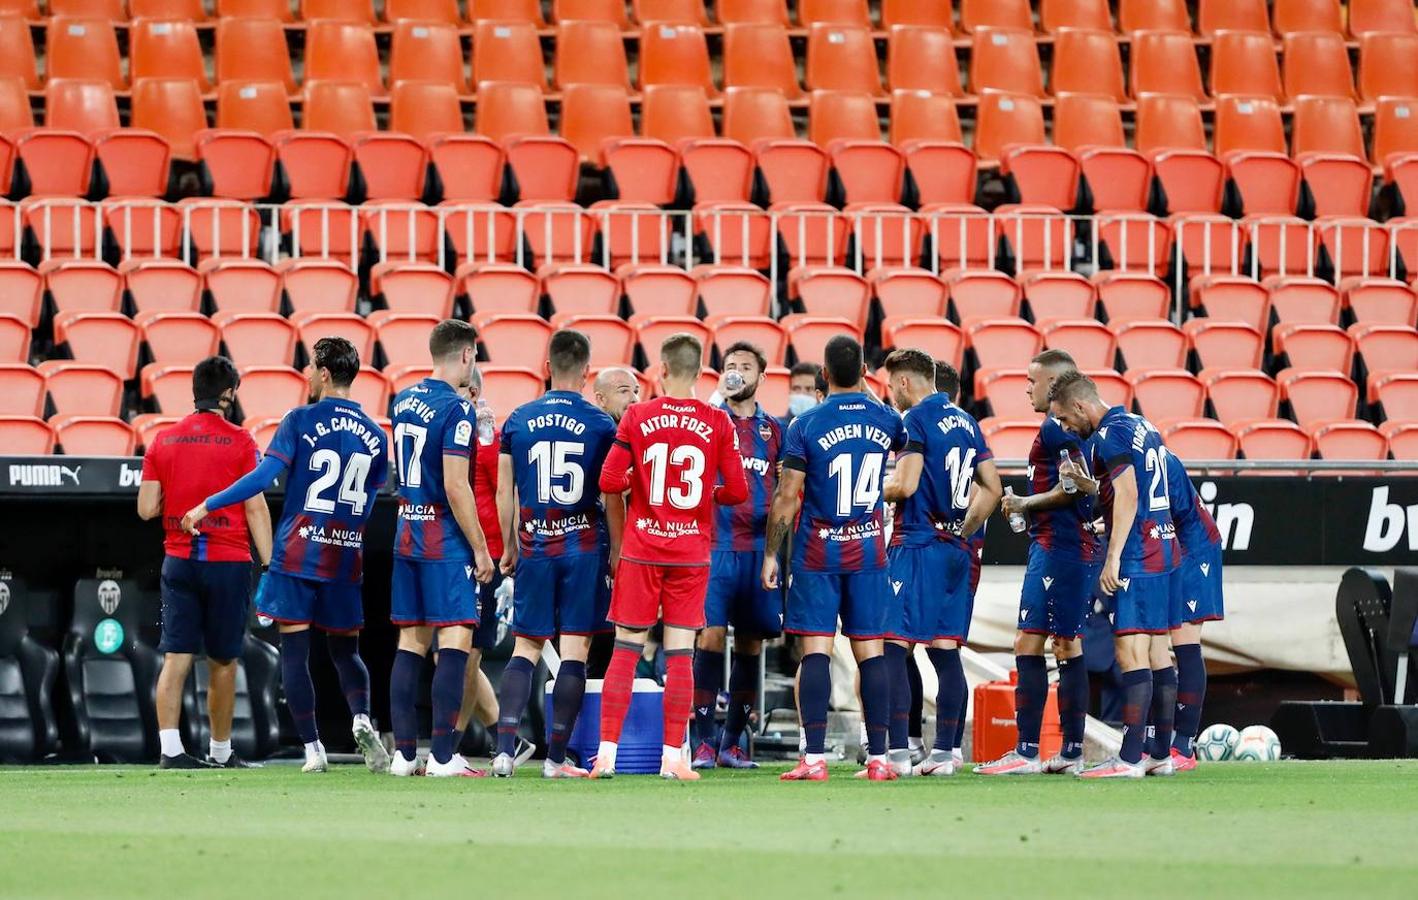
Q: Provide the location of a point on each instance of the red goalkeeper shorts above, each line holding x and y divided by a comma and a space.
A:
646, 594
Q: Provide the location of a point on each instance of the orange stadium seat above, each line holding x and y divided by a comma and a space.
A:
1314, 347
1132, 296
1165, 62
1042, 175
1169, 393
941, 339
507, 52
759, 55
1243, 63
14, 339
318, 285
590, 53
1240, 394
237, 165
82, 285
1200, 439
612, 340
1395, 394
842, 58
1170, 131
1329, 146
842, 12
752, 113
312, 326
172, 109
167, 389
1384, 70
80, 388
1237, 15
1349, 440
831, 291
982, 293
1301, 299
507, 387
1005, 59
1088, 62
440, 11
270, 391
403, 337
21, 390
1003, 342
1006, 391
761, 331
342, 108
1219, 344
514, 114
1402, 439
499, 287
809, 334
25, 436
469, 166
1165, 15
1059, 295
257, 339
165, 49
581, 289
21, 292
162, 285
1250, 137
1004, 119
1307, 15
242, 285
413, 287
922, 59
1316, 395
977, 14
675, 54
424, 109
427, 51
253, 49
1367, 16
17, 56
773, 12
359, 11
732, 290
500, 332
1317, 63
1273, 439
342, 52
531, 10
83, 48
15, 114
909, 292
719, 169
372, 391
1010, 439
651, 330
1055, 15
260, 107
1380, 300
1393, 347
1088, 341
1231, 298
657, 289
675, 112
80, 104
180, 338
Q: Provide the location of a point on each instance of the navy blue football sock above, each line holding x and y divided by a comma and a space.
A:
295, 678
512, 697
1191, 693
814, 695
913, 678
1030, 695
708, 680
1137, 700
964, 705
1073, 705
1164, 711
354, 677
403, 692
949, 696
876, 702
900, 687
447, 699
743, 693
566, 695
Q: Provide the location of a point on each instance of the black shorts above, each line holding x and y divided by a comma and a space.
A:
205, 606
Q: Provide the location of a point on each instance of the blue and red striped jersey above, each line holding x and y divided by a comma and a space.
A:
430, 421
1196, 529
558, 445
1063, 529
842, 445
742, 526
949, 440
1128, 445
337, 459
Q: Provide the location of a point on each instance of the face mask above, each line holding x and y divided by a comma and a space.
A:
800, 403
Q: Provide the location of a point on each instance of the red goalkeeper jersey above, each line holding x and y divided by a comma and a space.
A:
667, 453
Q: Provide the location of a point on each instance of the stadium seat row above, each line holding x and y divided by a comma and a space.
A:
1356, 17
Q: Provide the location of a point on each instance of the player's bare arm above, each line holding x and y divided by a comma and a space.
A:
615, 525
507, 512
787, 499
258, 522
905, 478
1124, 512
149, 500
983, 499
465, 511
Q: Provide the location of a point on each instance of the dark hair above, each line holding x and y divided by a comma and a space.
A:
568, 352
683, 353
746, 347
212, 377
1055, 359
913, 362
450, 336
340, 357
842, 358
805, 368
1072, 385
947, 379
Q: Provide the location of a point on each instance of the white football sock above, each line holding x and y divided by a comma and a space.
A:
171, 742
605, 756
876, 758
219, 750
671, 754
314, 748
813, 759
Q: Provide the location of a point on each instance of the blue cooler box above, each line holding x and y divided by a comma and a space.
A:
640, 739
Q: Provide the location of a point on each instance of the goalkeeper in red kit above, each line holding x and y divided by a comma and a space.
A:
669, 453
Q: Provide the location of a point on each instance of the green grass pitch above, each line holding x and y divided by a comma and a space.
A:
1340, 829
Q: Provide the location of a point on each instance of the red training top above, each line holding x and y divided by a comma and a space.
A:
192, 460
667, 452
484, 478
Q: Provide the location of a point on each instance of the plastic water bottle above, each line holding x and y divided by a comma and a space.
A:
1017, 522
733, 383
1067, 481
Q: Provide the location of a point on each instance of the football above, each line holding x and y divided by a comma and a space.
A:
1216, 743
1257, 744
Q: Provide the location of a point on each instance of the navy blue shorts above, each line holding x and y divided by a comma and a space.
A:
485, 638
1144, 604
931, 587
862, 599
1056, 594
205, 606
737, 596
433, 592
560, 595
327, 605
1200, 597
